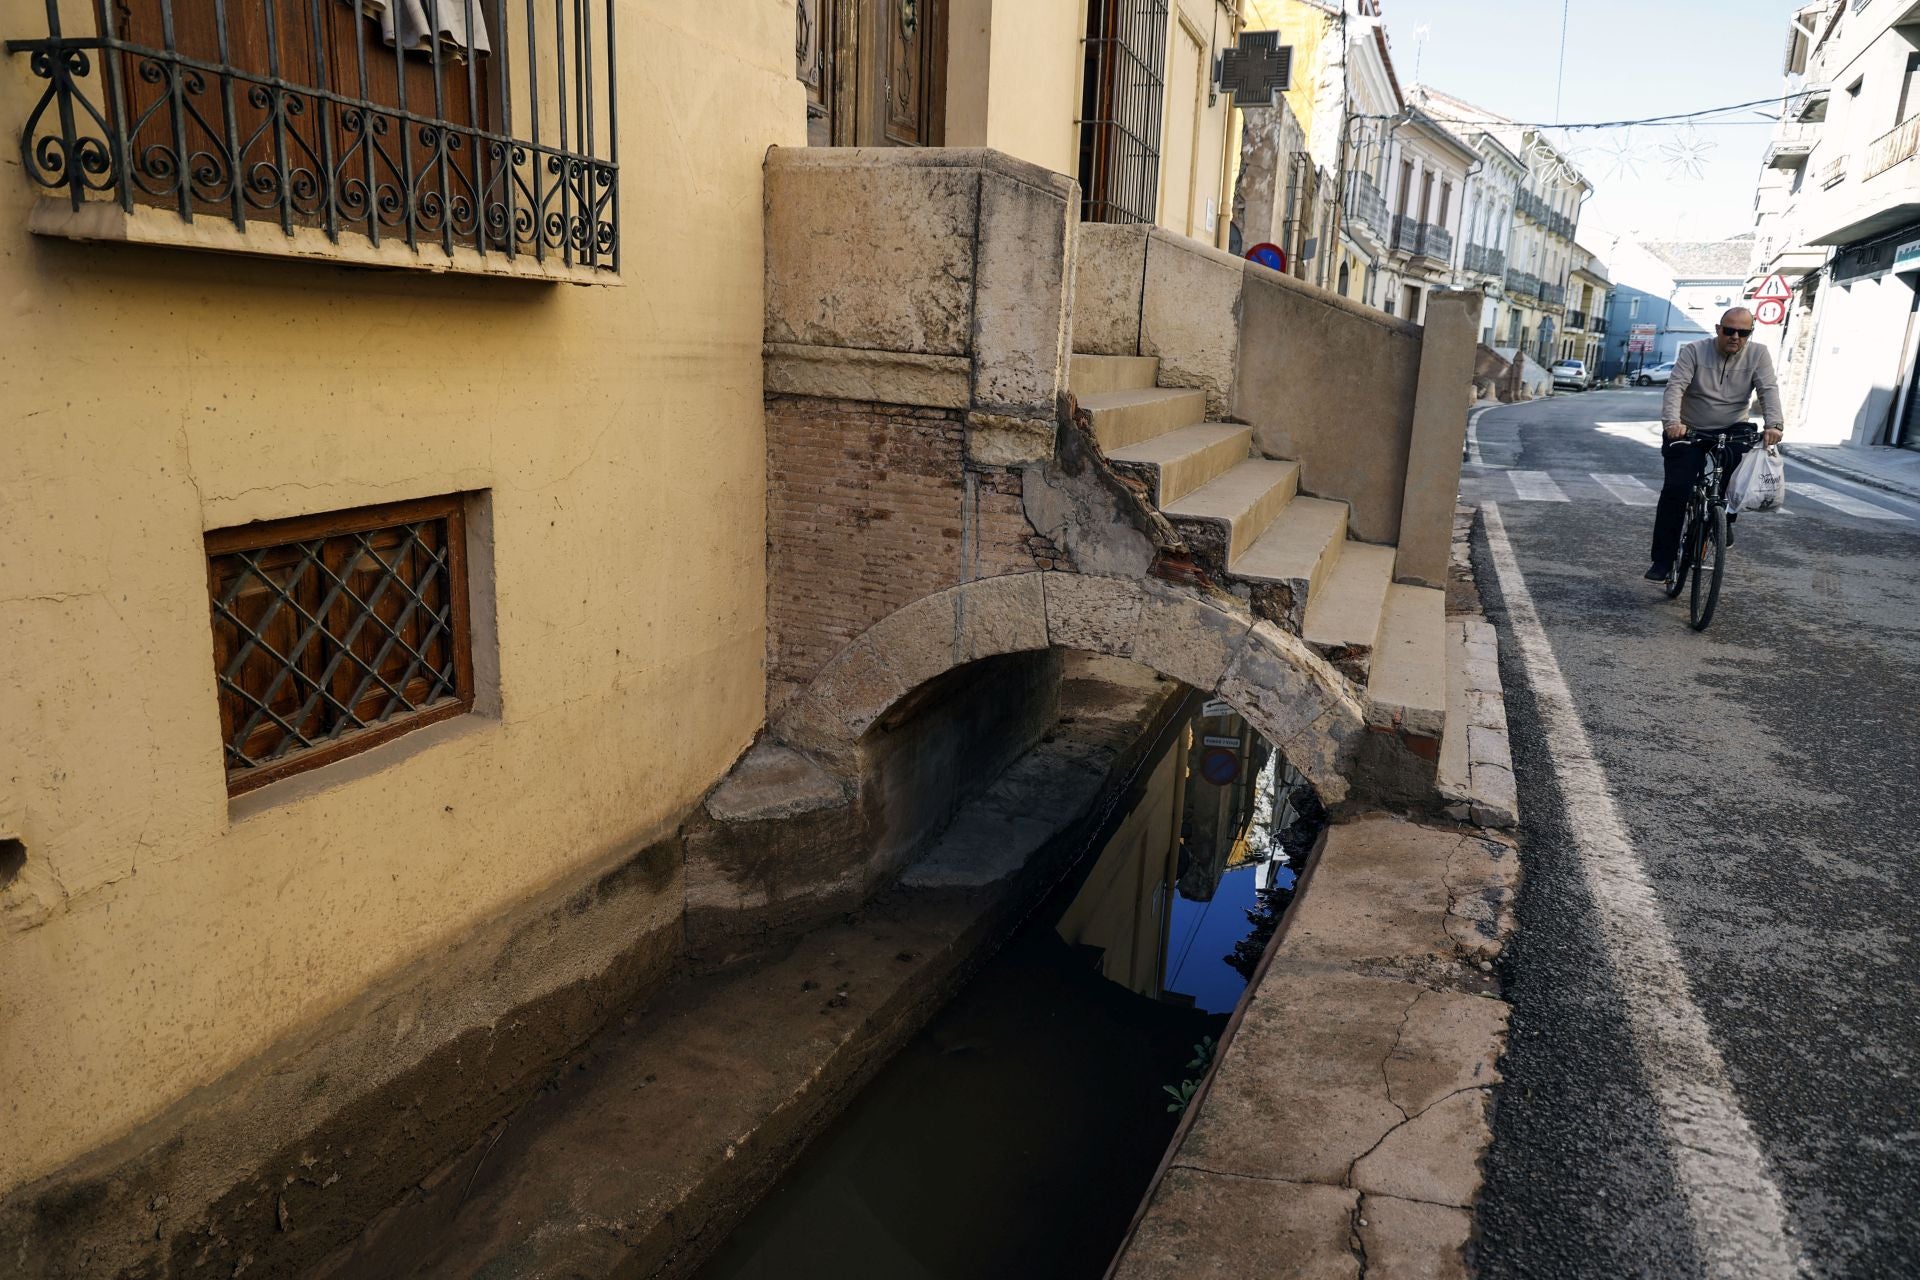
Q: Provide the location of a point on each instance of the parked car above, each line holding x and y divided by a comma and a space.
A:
1656, 376
1573, 374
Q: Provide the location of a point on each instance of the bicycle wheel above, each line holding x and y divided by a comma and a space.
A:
1689, 535
1709, 568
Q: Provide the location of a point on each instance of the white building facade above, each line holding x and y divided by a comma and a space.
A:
1837, 217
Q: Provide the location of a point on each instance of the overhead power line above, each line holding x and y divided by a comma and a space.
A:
1678, 117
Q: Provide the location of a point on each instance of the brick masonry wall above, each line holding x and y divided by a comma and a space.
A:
869, 508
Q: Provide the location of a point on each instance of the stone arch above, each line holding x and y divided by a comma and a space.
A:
1209, 641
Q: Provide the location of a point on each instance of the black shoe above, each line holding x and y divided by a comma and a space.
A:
1729, 533
1659, 572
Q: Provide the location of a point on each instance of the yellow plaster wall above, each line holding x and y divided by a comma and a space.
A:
157, 937
1036, 61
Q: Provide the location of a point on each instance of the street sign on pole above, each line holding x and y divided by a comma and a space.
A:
1770, 311
1772, 287
1640, 339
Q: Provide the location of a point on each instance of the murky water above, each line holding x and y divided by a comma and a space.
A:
1016, 1134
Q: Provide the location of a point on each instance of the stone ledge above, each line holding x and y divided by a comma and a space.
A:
1476, 758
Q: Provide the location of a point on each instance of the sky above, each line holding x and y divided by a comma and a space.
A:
1625, 59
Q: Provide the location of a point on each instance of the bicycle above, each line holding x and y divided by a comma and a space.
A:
1703, 538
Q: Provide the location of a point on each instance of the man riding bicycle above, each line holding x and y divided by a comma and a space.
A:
1713, 382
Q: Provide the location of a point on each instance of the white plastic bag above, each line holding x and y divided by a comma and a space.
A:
1759, 483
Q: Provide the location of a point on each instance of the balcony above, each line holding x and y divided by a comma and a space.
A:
1553, 295
1480, 260
1523, 284
1421, 239
1791, 145
1891, 147
1833, 171
1370, 207
1577, 320
483, 141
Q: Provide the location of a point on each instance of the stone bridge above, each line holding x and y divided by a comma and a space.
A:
994, 434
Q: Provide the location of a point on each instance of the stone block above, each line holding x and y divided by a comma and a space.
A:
1271, 681
1379, 898
1202, 1224
1005, 440
1187, 638
1110, 264
1435, 1156
870, 251
1408, 1240
771, 781
947, 629
1095, 614
1488, 747
1020, 302
1190, 316
1299, 1094
883, 377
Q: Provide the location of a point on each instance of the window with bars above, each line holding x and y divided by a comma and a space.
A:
333, 633
471, 127
1120, 105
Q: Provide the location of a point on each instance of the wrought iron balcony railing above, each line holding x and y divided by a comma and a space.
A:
1523, 284
1834, 171
1891, 147
1553, 295
1576, 319
1422, 239
1369, 206
480, 128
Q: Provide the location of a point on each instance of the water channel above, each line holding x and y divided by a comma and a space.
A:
1016, 1134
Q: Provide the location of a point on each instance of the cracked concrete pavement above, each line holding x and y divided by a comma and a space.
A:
1341, 1133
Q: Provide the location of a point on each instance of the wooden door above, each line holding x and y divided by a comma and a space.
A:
875, 71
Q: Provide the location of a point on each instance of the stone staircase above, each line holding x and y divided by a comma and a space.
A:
1244, 516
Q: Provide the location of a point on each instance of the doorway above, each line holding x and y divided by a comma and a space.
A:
875, 72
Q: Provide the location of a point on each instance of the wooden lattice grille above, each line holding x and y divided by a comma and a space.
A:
336, 632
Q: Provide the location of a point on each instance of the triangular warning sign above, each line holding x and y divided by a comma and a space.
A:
1773, 287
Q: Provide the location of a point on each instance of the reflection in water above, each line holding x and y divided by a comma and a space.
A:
1210, 850
1015, 1135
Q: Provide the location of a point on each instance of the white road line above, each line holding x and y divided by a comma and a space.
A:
1841, 502
1474, 456
1645, 432
1631, 490
1739, 1220
1536, 486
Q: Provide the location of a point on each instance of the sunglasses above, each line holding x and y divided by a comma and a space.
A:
1736, 333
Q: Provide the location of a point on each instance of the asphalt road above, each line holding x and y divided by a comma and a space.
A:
1764, 773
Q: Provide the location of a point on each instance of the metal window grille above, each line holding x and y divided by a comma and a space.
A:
1126, 50
499, 138
334, 633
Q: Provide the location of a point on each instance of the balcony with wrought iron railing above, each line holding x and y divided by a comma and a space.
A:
1576, 319
1481, 260
1369, 206
1421, 239
1834, 171
477, 136
1523, 284
1892, 147
1552, 295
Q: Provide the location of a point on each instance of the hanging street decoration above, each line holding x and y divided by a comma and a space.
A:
1686, 154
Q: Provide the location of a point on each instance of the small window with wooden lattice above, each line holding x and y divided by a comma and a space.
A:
333, 633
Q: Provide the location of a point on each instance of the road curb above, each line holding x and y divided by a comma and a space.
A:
1867, 478
1476, 756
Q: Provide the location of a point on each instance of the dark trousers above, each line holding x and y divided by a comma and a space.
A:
1683, 462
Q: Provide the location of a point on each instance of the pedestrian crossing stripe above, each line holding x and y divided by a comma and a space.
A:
1629, 490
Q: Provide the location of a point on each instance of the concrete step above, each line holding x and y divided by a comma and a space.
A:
1343, 615
1407, 686
1177, 463
1090, 375
1297, 552
1224, 516
1121, 418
